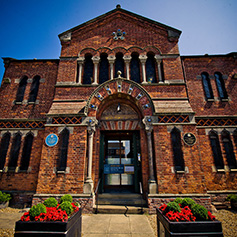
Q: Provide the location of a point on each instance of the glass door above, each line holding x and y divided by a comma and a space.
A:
119, 163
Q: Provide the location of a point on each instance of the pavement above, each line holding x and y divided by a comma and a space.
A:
96, 225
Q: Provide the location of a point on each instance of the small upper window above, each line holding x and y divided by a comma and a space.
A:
15, 149
21, 89
216, 150
229, 150
221, 86
207, 86
88, 70
34, 89
177, 150
151, 68
63, 148
104, 68
135, 68
119, 65
4, 148
25, 158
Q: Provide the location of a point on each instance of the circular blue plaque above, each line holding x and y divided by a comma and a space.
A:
51, 139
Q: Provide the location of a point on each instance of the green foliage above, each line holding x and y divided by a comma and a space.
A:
37, 209
66, 206
173, 206
232, 198
200, 212
51, 202
178, 200
4, 197
66, 198
188, 202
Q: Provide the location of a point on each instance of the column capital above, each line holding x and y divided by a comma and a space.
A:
148, 124
158, 59
91, 125
81, 59
111, 58
142, 58
96, 59
127, 58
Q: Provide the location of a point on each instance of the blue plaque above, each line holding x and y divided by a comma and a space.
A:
51, 140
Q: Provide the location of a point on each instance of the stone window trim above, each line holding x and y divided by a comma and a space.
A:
56, 171
23, 132
179, 172
16, 170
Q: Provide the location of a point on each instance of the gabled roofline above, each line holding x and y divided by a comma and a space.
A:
171, 31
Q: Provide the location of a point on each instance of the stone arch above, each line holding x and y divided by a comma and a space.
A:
123, 88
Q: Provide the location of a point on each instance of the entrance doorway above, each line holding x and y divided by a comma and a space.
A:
120, 162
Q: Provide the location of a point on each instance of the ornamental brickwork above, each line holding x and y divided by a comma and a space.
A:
120, 76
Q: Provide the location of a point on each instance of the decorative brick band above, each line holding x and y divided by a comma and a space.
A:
22, 124
66, 120
216, 121
173, 119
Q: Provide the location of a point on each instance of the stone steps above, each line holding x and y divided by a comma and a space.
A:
117, 203
119, 209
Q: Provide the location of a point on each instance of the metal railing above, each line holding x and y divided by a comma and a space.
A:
96, 196
141, 192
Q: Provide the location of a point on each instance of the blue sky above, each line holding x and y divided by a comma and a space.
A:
29, 28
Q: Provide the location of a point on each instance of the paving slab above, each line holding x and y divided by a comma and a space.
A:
116, 225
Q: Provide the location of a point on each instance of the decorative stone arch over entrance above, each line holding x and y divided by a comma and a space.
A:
120, 106
131, 89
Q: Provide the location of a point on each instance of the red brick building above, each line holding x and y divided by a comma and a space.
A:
121, 111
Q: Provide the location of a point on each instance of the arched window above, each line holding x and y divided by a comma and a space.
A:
235, 137
216, 150
207, 86
88, 70
4, 148
25, 158
104, 69
135, 68
229, 150
15, 149
119, 65
34, 89
220, 86
63, 148
177, 150
21, 89
151, 68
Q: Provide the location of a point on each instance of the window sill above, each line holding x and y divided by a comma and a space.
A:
220, 170
180, 172
210, 100
224, 100
17, 103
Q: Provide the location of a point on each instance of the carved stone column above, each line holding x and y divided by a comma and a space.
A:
158, 61
152, 182
127, 59
111, 60
143, 59
80, 61
96, 60
88, 185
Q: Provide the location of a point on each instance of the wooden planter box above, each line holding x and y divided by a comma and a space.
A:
4, 205
233, 205
166, 228
50, 228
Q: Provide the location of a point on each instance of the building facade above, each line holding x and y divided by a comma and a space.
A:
119, 112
